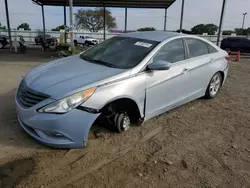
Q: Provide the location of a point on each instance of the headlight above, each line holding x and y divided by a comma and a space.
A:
66, 104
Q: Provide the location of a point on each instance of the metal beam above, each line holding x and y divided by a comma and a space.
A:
71, 22
43, 24
126, 17
65, 24
112, 3
8, 23
182, 13
221, 21
165, 19
36, 2
104, 23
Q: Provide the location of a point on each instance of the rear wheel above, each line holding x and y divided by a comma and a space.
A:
214, 86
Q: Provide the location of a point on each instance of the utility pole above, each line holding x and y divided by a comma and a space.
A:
126, 18
44, 33
8, 23
182, 13
221, 21
165, 19
243, 23
71, 23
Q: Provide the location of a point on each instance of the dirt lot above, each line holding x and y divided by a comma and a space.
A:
205, 143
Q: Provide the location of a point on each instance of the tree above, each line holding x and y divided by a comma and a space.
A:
2, 27
146, 29
210, 29
25, 26
240, 31
93, 20
227, 32
184, 31
60, 27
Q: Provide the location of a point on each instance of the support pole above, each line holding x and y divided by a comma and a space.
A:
126, 16
104, 23
221, 21
165, 19
71, 22
8, 23
65, 24
182, 13
43, 24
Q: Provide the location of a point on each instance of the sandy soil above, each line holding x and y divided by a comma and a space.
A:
205, 143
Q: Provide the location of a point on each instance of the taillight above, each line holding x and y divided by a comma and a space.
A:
227, 57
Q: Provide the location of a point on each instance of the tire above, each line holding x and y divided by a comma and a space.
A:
75, 43
122, 122
86, 43
1, 45
214, 86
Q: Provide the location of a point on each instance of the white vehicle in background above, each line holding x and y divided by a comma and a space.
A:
85, 40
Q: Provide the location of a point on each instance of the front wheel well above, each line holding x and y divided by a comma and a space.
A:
123, 105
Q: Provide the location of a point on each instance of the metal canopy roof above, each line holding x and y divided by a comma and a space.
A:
109, 3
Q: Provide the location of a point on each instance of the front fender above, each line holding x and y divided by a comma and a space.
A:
131, 88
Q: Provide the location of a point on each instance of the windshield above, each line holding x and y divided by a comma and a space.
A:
119, 52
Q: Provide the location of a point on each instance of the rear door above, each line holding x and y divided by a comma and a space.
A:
201, 56
81, 40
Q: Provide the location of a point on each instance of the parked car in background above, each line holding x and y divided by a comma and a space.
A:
85, 40
234, 44
128, 78
3, 41
39, 39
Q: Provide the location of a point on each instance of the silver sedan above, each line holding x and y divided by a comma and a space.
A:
127, 79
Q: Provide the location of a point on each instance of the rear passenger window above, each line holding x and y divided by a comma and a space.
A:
197, 47
211, 49
172, 52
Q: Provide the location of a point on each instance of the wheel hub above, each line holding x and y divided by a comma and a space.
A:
126, 123
214, 85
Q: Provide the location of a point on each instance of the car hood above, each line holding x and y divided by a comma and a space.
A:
65, 76
90, 39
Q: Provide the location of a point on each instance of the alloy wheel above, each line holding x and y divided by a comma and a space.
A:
215, 85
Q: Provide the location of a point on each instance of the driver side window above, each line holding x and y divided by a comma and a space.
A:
172, 52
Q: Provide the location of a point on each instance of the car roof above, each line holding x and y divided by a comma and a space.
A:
152, 35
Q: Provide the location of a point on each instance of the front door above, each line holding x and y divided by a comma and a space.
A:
165, 89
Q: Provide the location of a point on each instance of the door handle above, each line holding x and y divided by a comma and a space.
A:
185, 71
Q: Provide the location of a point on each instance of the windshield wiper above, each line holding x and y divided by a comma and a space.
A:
96, 61
100, 62
84, 57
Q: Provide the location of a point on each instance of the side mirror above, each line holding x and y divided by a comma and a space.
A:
159, 65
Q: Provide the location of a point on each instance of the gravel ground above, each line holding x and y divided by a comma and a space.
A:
205, 143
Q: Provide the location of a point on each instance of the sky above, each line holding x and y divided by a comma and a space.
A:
196, 12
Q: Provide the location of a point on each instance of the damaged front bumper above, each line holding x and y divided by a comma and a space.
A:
69, 130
